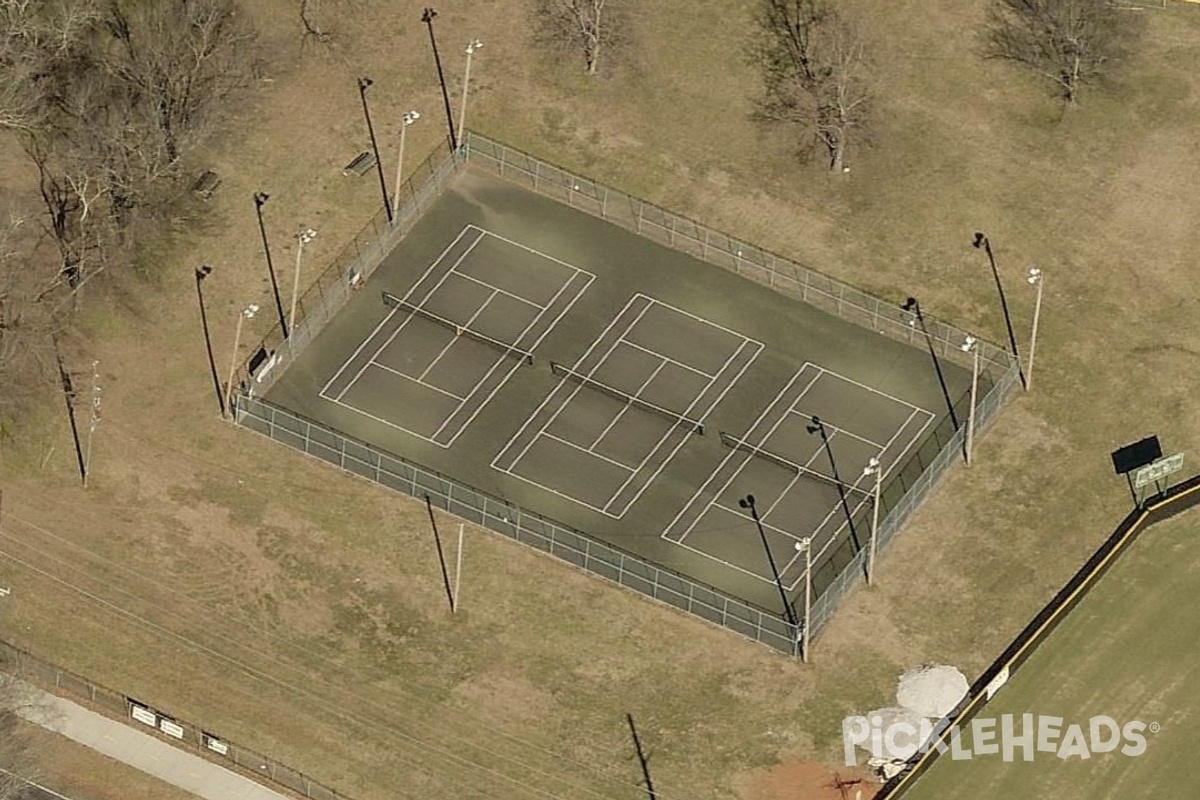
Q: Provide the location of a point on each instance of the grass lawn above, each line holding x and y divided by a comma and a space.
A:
1127, 652
297, 611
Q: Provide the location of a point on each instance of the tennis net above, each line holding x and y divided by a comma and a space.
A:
511, 350
741, 445
691, 425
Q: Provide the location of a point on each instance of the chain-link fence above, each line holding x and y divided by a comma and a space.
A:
761, 266
348, 270
58, 681
836, 570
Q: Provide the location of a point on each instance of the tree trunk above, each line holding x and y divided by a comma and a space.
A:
593, 57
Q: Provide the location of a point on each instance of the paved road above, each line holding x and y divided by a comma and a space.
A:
139, 750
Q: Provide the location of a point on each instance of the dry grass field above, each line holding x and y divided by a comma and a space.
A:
299, 611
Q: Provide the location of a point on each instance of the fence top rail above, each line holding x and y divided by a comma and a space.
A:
546, 521
993, 352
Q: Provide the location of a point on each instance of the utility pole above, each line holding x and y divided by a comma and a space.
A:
93, 421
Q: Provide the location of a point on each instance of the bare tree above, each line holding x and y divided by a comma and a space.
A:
178, 61
1068, 42
815, 75
588, 26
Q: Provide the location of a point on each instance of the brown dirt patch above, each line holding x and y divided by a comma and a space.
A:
806, 780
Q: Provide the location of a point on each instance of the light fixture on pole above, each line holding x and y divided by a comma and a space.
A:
805, 546
472, 46
260, 199
982, 241
1036, 280
427, 16
246, 313
202, 273
304, 237
408, 118
789, 613
363, 85
913, 306
971, 345
873, 469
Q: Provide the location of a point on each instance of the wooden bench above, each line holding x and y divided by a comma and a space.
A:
206, 184
361, 164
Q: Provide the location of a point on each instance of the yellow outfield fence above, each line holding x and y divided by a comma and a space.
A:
1160, 507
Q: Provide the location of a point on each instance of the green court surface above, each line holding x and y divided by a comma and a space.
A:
624, 389
1129, 652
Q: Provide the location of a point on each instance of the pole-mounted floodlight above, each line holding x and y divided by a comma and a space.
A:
203, 272
805, 546
427, 16
981, 241
1036, 280
971, 345
873, 469
246, 313
406, 119
789, 613
472, 46
260, 199
304, 237
363, 85
912, 306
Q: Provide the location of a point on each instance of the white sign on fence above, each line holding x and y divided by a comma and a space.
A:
1152, 473
144, 715
170, 728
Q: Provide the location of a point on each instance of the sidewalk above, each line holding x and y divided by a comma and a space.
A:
140, 750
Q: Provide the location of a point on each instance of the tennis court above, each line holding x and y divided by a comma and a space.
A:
621, 388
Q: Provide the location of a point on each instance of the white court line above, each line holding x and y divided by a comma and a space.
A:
699, 491
487, 301
663, 464
627, 406
582, 449
744, 342
498, 290
862, 496
616, 319
668, 359
575, 273
530, 249
553, 324
408, 294
418, 381
831, 427
354, 355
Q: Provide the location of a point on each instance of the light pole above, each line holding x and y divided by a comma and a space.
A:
805, 545
873, 469
971, 345
912, 306
748, 503
1035, 279
363, 85
982, 241
260, 199
427, 16
246, 313
407, 119
472, 46
304, 237
202, 273
818, 427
